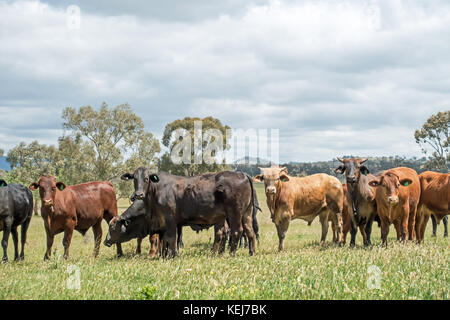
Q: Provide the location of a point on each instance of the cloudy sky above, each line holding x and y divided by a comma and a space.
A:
335, 77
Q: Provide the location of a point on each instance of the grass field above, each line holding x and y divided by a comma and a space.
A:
304, 270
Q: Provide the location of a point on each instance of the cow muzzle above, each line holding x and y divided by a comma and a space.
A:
107, 242
271, 190
48, 203
393, 201
139, 195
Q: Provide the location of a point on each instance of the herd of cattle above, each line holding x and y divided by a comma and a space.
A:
162, 204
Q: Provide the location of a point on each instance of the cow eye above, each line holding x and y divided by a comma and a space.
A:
53, 188
146, 179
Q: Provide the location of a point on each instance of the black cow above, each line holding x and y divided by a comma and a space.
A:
133, 223
16, 208
207, 199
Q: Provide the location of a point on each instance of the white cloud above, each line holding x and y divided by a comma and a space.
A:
336, 77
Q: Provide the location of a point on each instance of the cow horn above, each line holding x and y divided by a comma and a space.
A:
283, 169
362, 161
341, 160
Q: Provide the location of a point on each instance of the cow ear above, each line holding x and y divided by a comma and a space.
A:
374, 183
284, 178
154, 178
258, 178
127, 176
34, 186
3, 183
340, 169
61, 186
405, 182
364, 170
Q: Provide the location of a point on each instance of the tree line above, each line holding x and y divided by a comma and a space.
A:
102, 144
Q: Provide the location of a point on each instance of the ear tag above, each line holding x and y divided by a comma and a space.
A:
61, 187
365, 173
406, 184
283, 180
2, 185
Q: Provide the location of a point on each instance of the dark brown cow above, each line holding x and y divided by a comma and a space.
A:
78, 207
360, 197
434, 199
397, 196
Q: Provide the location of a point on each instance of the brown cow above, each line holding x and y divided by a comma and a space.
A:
434, 199
290, 198
346, 221
360, 197
397, 196
76, 207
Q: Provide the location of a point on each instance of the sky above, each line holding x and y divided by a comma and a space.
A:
334, 77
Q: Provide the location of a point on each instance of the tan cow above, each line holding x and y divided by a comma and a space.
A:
346, 220
397, 196
434, 198
291, 198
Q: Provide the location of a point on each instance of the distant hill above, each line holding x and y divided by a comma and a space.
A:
4, 165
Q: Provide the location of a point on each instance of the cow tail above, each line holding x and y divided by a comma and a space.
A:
255, 208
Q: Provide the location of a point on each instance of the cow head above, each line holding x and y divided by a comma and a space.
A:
389, 185
353, 169
142, 179
272, 177
4, 198
48, 187
131, 224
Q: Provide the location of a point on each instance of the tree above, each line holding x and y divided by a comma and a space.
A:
184, 130
1, 152
434, 136
29, 162
116, 138
74, 160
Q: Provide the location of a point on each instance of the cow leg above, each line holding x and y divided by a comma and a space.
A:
236, 233
282, 228
68, 231
23, 236
412, 224
398, 229
406, 224
15, 237
180, 237
153, 242
353, 231
384, 232
6, 231
138, 246
445, 222
98, 232
368, 231
362, 229
422, 227
247, 223
433, 220
323, 218
170, 237
50, 237
219, 230
333, 228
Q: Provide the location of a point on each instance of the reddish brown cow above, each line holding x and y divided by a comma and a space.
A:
76, 207
397, 196
434, 198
